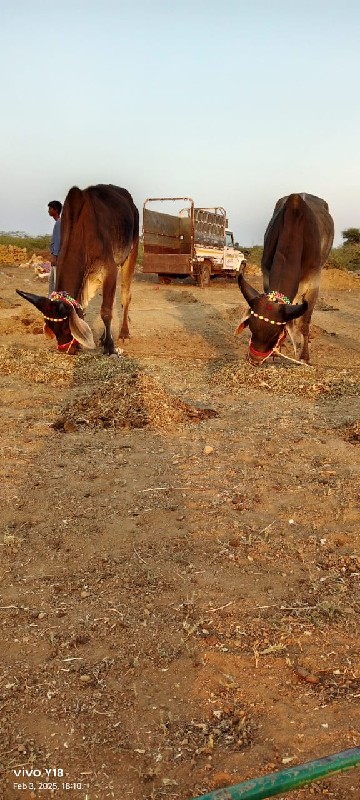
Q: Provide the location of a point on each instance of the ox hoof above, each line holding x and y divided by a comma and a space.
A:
124, 334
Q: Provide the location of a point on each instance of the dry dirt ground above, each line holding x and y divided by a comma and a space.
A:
179, 580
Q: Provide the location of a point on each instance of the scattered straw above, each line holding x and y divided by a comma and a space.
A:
51, 367
284, 379
36, 366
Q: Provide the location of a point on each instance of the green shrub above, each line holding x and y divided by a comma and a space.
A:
252, 254
255, 254
23, 240
351, 235
346, 257
140, 253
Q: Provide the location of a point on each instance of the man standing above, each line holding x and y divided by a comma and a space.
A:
54, 209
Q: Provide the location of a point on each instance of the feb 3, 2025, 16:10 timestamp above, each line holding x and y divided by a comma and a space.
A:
38, 786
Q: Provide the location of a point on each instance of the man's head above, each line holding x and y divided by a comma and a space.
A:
54, 209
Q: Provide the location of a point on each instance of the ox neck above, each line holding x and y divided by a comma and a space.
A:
283, 286
70, 286
285, 275
70, 272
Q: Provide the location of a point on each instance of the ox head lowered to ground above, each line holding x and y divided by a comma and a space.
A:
267, 317
63, 319
99, 238
297, 243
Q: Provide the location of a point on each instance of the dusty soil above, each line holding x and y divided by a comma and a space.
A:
179, 581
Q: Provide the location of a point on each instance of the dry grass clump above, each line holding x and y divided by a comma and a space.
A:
287, 378
132, 400
351, 432
231, 728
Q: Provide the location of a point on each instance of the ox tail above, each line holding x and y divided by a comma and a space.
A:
73, 204
135, 246
127, 272
293, 211
129, 266
292, 226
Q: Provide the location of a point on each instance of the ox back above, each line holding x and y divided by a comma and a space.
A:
298, 238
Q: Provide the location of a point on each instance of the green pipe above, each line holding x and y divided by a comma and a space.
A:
287, 779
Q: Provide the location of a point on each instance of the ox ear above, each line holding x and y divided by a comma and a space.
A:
294, 311
249, 293
81, 331
242, 324
48, 332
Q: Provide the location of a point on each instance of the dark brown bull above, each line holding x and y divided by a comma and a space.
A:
297, 243
99, 235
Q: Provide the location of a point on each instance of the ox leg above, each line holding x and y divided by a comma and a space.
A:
304, 353
127, 271
304, 324
106, 313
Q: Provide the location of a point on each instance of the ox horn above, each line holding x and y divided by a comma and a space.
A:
42, 303
35, 299
294, 311
248, 291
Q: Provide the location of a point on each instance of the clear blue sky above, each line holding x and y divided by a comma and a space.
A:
233, 102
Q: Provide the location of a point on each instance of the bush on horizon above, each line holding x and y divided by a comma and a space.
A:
345, 257
20, 239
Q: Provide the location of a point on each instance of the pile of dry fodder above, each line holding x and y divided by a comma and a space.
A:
130, 399
286, 378
103, 392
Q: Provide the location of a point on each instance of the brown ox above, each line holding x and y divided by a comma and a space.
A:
297, 243
99, 234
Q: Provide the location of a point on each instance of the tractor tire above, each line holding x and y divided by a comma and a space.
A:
204, 274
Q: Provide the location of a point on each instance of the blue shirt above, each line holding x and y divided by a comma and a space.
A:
55, 239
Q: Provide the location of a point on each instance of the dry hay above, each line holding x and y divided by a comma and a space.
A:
130, 400
117, 393
36, 366
58, 369
286, 378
